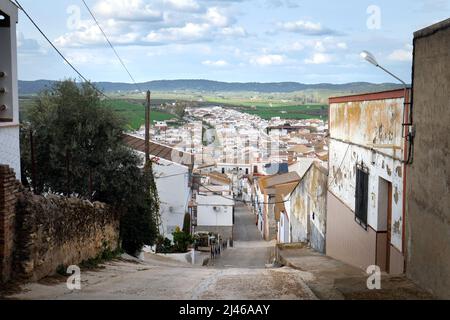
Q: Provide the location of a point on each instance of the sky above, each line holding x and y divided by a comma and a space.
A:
308, 41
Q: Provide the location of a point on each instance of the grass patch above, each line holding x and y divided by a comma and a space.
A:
289, 112
134, 113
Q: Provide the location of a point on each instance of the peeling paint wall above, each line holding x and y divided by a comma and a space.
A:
308, 209
369, 133
369, 123
342, 184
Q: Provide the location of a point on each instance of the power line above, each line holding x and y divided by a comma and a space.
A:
59, 52
238, 200
170, 176
340, 166
110, 44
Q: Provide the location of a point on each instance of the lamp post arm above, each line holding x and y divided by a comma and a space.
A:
393, 75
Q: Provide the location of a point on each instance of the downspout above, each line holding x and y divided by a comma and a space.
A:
409, 144
405, 163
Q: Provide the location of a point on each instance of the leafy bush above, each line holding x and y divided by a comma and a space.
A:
163, 245
181, 240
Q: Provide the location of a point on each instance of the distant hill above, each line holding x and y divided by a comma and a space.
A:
32, 87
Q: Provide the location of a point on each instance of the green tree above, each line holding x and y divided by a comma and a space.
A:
187, 223
78, 150
180, 109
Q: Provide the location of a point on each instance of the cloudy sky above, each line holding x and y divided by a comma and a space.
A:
308, 41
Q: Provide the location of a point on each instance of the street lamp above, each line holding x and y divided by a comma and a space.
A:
409, 136
369, 57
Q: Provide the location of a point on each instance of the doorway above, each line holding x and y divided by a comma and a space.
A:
384, 224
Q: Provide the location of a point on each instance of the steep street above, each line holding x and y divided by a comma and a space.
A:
239, 273
249, 250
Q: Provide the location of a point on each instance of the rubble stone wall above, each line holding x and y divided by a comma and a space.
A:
39, 234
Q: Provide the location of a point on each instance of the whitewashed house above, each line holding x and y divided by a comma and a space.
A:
9, 102
215, 213
365, 203
172, 170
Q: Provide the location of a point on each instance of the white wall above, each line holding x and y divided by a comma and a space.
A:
172, 183
10, 148
343, 186
9, 131
207, 216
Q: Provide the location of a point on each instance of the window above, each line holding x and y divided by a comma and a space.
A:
223, 170
246, 171
361, 196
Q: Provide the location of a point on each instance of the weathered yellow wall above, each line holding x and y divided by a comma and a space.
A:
369, 123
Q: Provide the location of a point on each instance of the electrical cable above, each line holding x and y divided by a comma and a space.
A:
111, 45
58, 51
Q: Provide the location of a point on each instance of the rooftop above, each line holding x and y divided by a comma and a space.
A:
383, 95
159, 150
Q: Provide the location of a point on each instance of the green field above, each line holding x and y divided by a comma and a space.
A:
134, 113
289, 112
295, 105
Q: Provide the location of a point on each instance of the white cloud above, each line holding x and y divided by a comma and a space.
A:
183, 5
295, 46
218, 63
216, 18
89, 57
233, 32
155, 23
320, 58
189, 32
403, 55
342, 45
28, 46
130, 10
304, 27
282, 3
268, 60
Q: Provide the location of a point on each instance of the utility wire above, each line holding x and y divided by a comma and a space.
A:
59, 52
238, 200
110, 44
340, 166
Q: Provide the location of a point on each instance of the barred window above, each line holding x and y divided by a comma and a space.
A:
361, 196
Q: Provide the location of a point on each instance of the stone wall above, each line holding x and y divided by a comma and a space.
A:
428, 178
38, 234
9, 188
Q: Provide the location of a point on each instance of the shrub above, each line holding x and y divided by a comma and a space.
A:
187, 223
163, 245
181, 240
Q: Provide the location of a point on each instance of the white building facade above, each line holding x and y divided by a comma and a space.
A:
9, 97
215, 213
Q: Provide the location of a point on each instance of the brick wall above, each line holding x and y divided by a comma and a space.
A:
9, 189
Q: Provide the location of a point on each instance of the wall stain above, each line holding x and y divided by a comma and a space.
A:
396, 195
398, 170
396, 226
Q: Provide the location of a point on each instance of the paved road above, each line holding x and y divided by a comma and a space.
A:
240, 273
249, 250
245, 228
